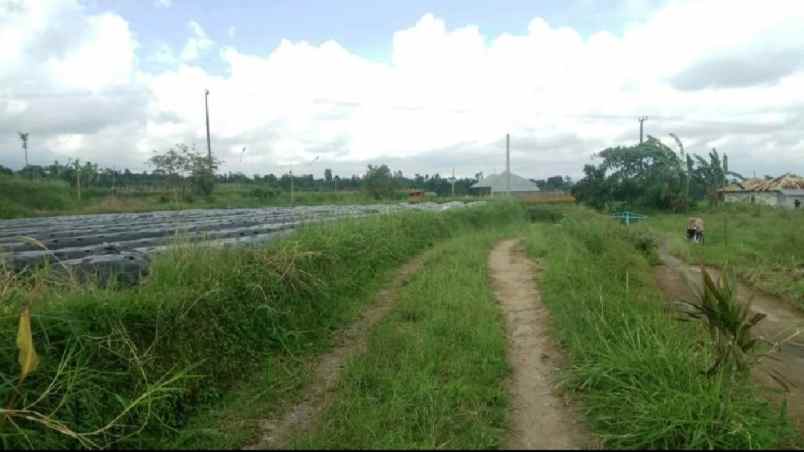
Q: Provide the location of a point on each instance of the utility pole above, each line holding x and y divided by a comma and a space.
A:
209, 143
453, 182
291, 187
508, 163
641, 119
24, 138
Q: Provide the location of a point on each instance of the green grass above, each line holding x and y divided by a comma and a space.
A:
20, 197
639, 373
433, 373
764, 245
203, 321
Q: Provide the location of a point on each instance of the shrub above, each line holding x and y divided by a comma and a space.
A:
264, 193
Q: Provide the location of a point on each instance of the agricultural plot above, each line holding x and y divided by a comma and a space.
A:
121, 243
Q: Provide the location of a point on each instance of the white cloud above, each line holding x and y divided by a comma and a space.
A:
232, 32
197, 44
446, 98
163, 3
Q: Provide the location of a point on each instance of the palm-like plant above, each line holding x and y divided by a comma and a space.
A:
730, 325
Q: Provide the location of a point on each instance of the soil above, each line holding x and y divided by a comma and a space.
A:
542, 416
675, 277
303, 416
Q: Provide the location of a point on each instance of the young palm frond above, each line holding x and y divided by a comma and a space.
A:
728, 322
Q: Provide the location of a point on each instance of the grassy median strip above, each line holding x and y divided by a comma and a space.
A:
638, 372
432, 376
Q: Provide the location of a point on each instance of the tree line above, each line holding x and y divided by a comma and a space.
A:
184, 171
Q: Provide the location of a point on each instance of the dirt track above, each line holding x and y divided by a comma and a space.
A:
350, 342
541, 418
782, 320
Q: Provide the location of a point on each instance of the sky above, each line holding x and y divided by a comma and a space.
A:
426, 87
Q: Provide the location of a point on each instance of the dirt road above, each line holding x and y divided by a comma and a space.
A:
350, 342
541, 418
782, 320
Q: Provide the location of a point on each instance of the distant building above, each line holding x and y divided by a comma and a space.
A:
495, 184
782, 191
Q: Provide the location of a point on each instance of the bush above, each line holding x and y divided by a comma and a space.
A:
643, 240
264, 193
20, 197
544, 214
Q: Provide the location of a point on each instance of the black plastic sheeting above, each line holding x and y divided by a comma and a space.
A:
118, 247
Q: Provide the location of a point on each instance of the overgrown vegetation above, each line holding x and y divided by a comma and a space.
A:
129, 367
652, 175
640, 375
433, 374
729, 323
185, 171
764, 245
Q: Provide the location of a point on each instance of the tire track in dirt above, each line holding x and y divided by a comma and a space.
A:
541, 418
674, 279
351, 341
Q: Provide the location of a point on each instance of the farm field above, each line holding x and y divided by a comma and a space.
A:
121, 244
388, 331
764, 245
23, 198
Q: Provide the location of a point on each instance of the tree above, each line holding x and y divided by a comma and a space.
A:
649, 175
712, 175
378, 181
183, 167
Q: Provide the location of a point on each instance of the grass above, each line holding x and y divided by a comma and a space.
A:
20, 197
432, 376
203, 320
640, 375
764, 245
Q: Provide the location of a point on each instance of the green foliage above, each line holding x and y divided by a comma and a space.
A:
729, 323
543, 213
647, 175
378, 182
651, 175
627, 352
555, 183
183, 166
202, 320
23, 197
264, 193
644, 240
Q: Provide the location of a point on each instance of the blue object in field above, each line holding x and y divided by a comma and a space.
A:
629, 217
